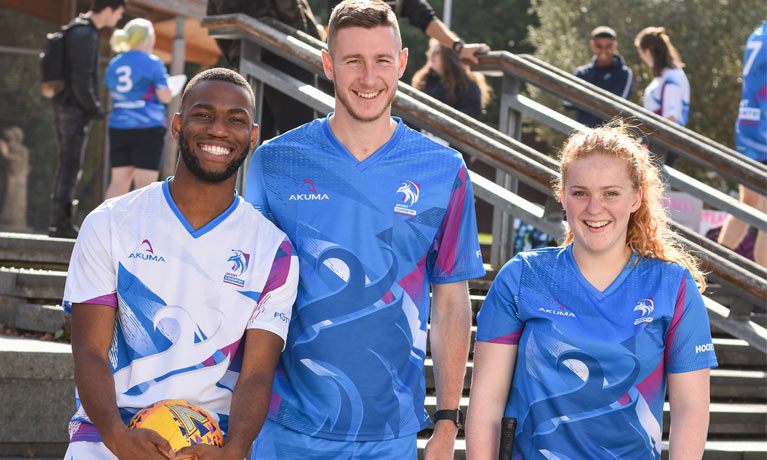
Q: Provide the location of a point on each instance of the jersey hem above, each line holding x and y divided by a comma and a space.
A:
460, 277
330, 436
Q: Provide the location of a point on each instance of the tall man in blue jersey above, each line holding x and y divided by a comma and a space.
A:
377, 213
606, 70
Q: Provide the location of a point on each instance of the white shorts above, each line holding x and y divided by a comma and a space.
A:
84, 450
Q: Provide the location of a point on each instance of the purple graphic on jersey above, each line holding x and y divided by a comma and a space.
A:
447, 239
671, 336
109, 300
280, 269
509, 339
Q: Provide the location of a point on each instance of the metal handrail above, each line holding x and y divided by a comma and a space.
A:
669, 135
292, 45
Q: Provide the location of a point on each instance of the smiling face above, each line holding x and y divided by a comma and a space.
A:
604, 48
215, 130
599, 197
365, 65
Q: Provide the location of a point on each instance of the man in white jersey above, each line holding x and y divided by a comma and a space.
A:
171, 299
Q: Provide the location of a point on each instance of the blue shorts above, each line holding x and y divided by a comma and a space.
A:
277, 442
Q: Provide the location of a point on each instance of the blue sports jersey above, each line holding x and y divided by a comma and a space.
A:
751, 126
370, 237
132, 78
590, 376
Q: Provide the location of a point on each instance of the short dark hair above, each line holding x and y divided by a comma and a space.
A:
220, 74
99, 5
361, 13
603, 32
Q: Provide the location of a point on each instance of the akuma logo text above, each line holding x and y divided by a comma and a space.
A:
145, 251
312, 195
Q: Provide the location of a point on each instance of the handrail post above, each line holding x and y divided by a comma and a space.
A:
250, 51
510, 122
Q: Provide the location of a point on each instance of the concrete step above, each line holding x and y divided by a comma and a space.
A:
715, 450
727, 385
31, 250
37, 397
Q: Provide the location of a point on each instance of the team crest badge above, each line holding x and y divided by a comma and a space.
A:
645, 307
239, 261
410, 192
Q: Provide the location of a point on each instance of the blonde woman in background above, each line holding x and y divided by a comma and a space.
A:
137, 81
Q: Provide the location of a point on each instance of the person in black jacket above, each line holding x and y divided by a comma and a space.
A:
606, 70
422, 15
76, 105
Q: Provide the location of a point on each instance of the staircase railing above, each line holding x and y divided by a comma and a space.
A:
502, 151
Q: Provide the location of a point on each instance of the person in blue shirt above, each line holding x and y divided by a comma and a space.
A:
579, 343
751, 138
381, 217
606, 70
137, 81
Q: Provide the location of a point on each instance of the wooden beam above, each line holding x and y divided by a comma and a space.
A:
188, 8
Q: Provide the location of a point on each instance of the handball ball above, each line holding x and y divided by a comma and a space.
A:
181, 423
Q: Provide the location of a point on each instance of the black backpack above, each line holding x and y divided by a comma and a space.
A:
52, 73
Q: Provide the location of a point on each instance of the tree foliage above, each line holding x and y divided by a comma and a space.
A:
710, 36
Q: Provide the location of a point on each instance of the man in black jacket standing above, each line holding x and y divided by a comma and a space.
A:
76, 106
606, 70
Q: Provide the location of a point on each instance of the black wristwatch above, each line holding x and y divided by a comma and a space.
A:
458, 46
454, 415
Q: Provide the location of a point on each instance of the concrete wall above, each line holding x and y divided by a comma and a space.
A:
37, 397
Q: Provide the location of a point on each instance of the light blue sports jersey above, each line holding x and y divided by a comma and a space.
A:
751, 126
590, 376
370, 237
132, 78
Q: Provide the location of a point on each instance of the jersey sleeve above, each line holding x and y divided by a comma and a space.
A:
255, 191
91, 276
498, 319
159, 75
275, 304
419, 12
688, 339
455, 254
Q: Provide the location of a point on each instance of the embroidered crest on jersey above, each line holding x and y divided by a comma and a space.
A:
309, 193
410, 192
145, 251
240, 261
557, 309
644, 307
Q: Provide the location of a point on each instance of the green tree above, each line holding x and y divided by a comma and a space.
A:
710, 36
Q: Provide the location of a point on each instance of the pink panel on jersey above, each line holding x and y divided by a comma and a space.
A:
451, 226
110, 300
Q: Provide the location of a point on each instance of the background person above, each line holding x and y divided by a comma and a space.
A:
76, 106
751, 138
138, 83
668, 94
607, 70
578, 342
379, 214
170, 299
445, 78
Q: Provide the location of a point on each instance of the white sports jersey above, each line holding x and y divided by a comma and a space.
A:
669, 95
184, 297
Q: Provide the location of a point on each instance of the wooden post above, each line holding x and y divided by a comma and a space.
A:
503, 222
169, 153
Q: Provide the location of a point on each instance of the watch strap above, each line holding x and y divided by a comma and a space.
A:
454, 415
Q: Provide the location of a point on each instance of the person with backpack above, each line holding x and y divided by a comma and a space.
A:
76, 105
